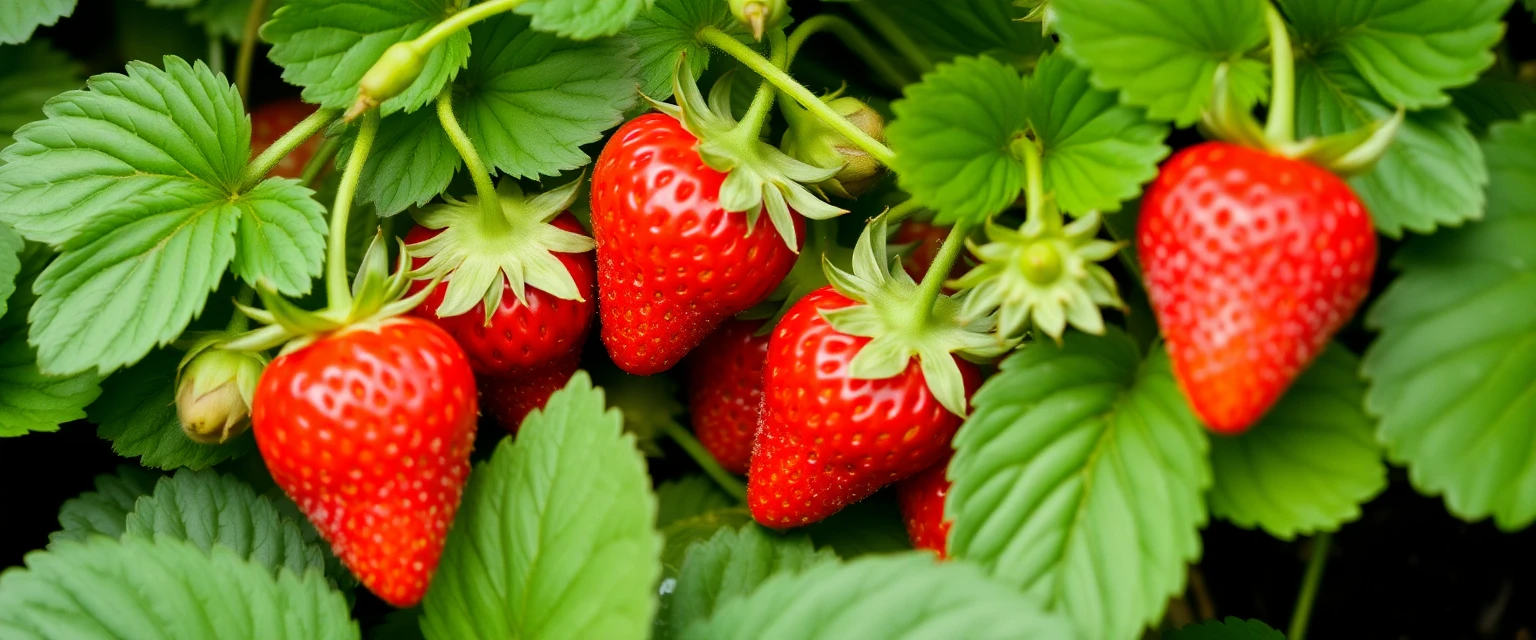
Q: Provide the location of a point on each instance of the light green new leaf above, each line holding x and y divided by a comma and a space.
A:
10, 264
105, 589
554, 538
30, 74
411, 162
208, 510
1080, 480
952, 137
1493, 99
1432, 175
1163, 54
729, 565
687, 497
1310, 463
532, 100
281, 237
137, 412
895, 597
326, 46
670, 29
105, 510
19, 19
1095, 152
1453, 373
582, 19
945, 30
1409, 50
1232, 628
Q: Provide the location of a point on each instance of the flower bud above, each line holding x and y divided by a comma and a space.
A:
400, 65
760, 15
812, 141
213, 397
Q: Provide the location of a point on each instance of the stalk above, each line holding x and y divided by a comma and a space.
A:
854, 39
933, 280
338, 293
1309, 586
460, 21
893, 33
1281, 126
490, 202
706, 461
285, 145
247, 55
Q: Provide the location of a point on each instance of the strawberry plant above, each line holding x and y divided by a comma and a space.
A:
456, 319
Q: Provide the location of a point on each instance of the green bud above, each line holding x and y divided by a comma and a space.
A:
811, 141
1040, 263
213, 397
395, 71
759, 15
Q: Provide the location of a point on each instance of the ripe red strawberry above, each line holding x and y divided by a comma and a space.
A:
273, 119
922, 507
828, 439
369, 430
521, 339
672, 264
1253, 261
725, 389
511, 398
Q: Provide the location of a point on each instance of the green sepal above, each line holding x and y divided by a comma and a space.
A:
1039, 11
1048, 276
898, 331
481, 254
760, 175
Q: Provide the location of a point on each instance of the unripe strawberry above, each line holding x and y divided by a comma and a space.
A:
811, 141
213, 396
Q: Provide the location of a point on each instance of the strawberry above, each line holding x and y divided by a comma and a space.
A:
725, 387
273, 119
369, 430
921, 497
510, 398
1252, 261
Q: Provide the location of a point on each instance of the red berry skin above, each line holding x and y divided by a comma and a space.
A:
273, 119
369, 431
1252, 261
521, 338
671, 264
921, 498
511, 398
725, 390
826, 439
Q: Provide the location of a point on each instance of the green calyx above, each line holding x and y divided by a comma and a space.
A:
760, 15
761, 176
807, 275
395, 71
814, 142
901, 331
214, 387
475, 253
1050, 276
1039, 11
378, 294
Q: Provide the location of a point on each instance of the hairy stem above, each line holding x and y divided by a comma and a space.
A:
1037, 214
751, 125
285, 145
461, 21
705, 460
933, 280
852, 38
490, 202
1309, 586
892, 32
902, 210
773, 74
1281, 127
338, 293
247, 55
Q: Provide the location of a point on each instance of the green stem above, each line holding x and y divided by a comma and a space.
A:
247, 55
239, 322
285, 145
1036, 213
751, 126
317, 163
705, 460
338, 292
460, 21
216, 54
933, 281
1309, 586
1281, 127
490, 202
894, 34
902, 210
852, 38
765, 68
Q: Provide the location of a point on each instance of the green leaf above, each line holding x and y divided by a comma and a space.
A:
1095, 152
953, 28
10, 264
137, 412
1493, 99
1230, 629
1163, 54
326, 46
681, 534
582, 19
412, 161
670, 29
554, 537
1080, 480
29, 75
687, 497
208, 510
1310, 463
105, 510
1409, 50
1431, 176
19, 19
895, 597
30, 400
281, 238
952, 137
104, 589
729, 565
1453, 372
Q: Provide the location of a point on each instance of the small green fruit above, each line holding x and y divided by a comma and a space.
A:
395, 71
213, 397
811, 141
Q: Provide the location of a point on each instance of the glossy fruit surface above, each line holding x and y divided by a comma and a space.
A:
1253, 262
826, 439
725, 391
921, 497
273, 119
671, 263
510, 398
369, 431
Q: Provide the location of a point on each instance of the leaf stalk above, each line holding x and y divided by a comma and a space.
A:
490, 202
338, 293
262, 164
1309, 586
